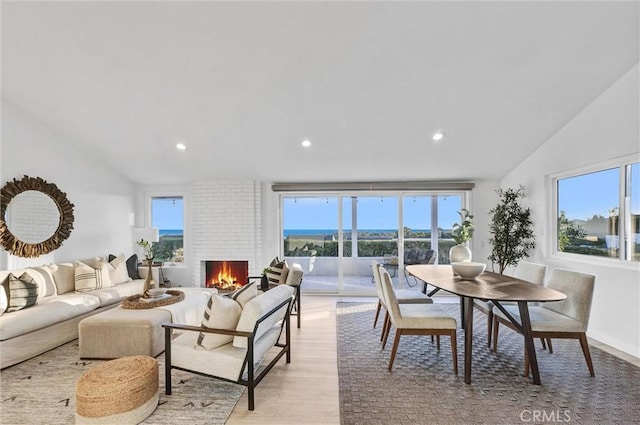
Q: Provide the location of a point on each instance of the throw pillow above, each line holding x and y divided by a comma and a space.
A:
106, 269
277, 274
64, 277
4, 295
23, 292
88, 278
132, 266
220, 313
245, 294
44, 275
118, 272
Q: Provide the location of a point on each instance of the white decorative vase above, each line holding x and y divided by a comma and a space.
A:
459, 253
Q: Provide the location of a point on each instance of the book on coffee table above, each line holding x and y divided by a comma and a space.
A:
156, 298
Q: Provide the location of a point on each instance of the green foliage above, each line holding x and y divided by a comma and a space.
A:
568, 231
511, 229
463, 231
148, 247
170, 248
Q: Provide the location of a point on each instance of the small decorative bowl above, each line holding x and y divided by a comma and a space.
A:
156, 292
468, 269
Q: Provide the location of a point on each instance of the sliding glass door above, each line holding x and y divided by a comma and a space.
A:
371, 232
311, 238
336, 236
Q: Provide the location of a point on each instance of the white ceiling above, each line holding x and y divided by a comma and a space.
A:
241, 84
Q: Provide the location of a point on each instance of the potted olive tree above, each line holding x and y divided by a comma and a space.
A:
511, 229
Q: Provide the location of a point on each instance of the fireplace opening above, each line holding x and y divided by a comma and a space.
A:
226, 275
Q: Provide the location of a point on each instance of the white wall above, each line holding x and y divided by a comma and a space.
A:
103, 199
483, 198
225, 223
606, 129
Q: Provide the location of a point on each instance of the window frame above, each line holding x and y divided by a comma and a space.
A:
621, 163
148, 196
465, 198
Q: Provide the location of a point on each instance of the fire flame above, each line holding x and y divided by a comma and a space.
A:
225, 278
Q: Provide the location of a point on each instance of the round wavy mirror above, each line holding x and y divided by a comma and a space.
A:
35, 217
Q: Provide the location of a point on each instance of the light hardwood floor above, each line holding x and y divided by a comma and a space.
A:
306, 390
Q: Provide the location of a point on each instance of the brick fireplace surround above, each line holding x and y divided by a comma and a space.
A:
226, 225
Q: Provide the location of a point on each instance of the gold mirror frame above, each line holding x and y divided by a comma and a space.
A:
23, 249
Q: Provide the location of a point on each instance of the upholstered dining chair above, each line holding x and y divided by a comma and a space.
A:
416, 319
405, 296
568, 318
531, 272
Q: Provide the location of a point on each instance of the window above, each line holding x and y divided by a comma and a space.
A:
334, 236
167, 214
597, 210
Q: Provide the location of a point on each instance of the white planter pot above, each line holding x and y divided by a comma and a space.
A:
459, 253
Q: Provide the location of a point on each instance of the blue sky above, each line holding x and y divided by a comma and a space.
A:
167, 213
580, 197
596, 193
374, 212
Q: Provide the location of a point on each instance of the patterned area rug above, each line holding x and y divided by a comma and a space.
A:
422, 388
42, 391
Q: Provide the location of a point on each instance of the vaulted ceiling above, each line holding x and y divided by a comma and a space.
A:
241, 84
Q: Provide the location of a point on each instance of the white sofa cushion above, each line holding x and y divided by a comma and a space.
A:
48, 311
115, 294
258, 307
64, 277
220, 313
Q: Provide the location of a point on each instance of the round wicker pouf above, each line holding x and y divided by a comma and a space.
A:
122, 391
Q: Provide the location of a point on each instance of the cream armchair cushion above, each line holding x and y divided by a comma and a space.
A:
294, 275
258, 307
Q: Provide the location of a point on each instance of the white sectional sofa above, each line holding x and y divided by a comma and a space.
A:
54, 319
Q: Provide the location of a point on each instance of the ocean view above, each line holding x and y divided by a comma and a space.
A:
173, 232
311, 232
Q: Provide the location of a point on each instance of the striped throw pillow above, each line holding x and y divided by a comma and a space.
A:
88, 278
277, 274
23, 292
220, 313
245, 294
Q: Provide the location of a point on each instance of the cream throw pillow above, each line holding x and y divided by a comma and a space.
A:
118, 270
220, 313
90, 278
64, 277
245, 294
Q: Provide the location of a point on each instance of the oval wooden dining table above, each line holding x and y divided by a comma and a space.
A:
492, 287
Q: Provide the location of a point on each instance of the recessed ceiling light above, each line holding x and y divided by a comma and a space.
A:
306, 143
181, 146
438, 135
